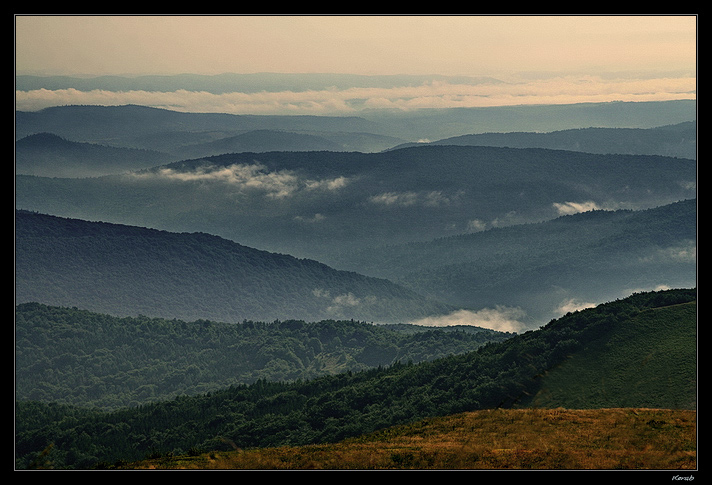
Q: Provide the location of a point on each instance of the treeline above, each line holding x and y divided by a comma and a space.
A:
72, 356
324, 409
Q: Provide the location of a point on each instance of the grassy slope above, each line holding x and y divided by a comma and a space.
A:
489, 439
643, 363
586, 426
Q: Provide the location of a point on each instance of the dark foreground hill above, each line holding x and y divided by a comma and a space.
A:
127, 271
331, 408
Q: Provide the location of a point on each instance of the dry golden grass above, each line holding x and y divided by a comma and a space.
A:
552, 439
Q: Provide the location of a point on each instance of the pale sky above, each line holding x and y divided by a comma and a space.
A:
661, 50
461, 45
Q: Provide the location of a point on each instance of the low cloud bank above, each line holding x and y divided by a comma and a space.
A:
275, 184
503, 319
350, 100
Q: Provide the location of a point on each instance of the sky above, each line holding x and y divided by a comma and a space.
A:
549, 59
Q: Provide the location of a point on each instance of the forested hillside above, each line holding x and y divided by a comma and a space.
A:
72, 356
587, 257
126, 271
331, 408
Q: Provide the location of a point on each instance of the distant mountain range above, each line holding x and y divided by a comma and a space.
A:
679, 140
372, 130
320, 204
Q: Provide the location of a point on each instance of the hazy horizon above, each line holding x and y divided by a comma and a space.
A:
533, 59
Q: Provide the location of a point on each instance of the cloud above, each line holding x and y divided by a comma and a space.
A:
572, 305
503, 319
567, 208
433, 198
275, 184
339, 303
517, 91
476, 225
314, 219
401, 199
685, 252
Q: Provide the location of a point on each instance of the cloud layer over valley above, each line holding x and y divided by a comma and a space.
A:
344, 99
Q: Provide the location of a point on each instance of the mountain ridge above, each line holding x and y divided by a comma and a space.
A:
125, 270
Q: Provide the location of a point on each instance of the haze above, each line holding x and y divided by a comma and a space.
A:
541, 59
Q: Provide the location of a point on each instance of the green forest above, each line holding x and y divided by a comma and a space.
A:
72, 356
329, 408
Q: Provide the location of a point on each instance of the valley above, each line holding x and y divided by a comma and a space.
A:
302, 287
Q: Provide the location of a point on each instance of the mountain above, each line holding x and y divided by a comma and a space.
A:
319, 204
49, 155
327, 409
678, 140
542, 267
125, 271
437, 124
127, 126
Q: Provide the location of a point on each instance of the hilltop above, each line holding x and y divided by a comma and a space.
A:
678, 140
49, 155
493, 439
585, 257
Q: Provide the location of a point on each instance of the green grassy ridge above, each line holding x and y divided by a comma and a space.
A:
332, 408
646, 362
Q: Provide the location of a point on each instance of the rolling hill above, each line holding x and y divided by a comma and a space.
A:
48, 155
540, 365
319, 204
71, 356
679, 140
541, 267
126, 271
134, 126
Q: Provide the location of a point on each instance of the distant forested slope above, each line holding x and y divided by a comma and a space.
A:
679, 140
586, 257
125, 271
